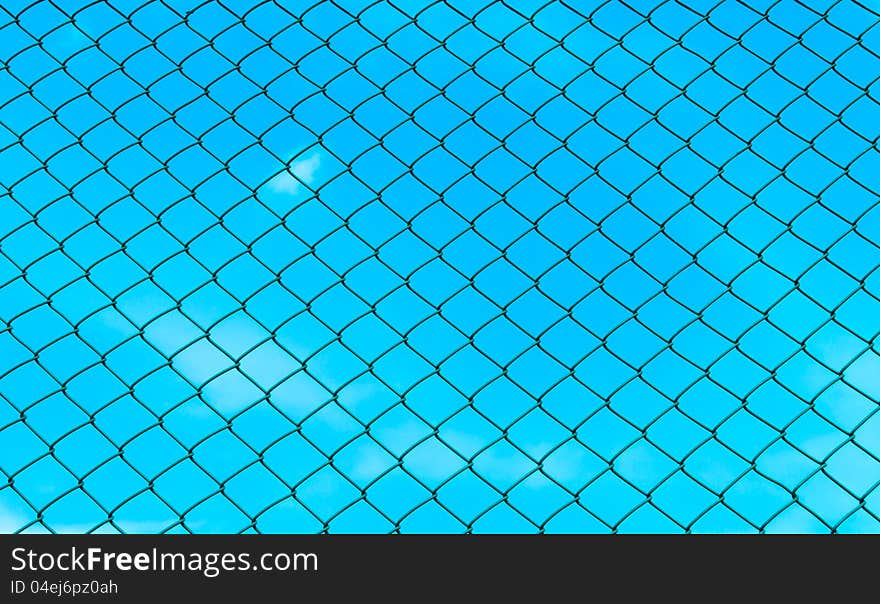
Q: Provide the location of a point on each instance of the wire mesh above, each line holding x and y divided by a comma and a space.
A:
439, 266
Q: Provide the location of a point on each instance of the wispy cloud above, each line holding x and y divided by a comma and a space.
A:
301, 171
11, 520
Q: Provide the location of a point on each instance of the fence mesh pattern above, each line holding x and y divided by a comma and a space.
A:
439, 266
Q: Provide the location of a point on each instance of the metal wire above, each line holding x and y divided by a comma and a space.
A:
418, 266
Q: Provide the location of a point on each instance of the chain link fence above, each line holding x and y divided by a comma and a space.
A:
439, 266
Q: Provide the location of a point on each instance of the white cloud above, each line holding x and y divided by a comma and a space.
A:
301, 171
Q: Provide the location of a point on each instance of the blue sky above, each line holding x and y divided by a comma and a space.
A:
439, 266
